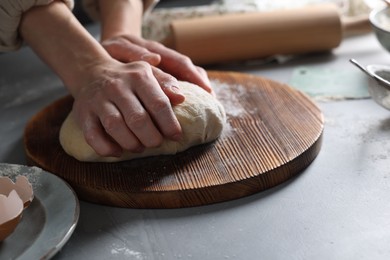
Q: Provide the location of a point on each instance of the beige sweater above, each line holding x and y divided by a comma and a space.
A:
11, 12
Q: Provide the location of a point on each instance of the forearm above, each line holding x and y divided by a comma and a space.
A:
61, 41
120, 17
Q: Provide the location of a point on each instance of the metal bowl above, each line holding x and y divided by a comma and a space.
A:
379, 85
380, 22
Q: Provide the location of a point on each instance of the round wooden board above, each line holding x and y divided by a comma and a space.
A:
273, 132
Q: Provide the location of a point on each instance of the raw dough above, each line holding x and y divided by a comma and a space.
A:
201, 117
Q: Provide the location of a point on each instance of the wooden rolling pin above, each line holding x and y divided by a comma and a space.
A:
234, 37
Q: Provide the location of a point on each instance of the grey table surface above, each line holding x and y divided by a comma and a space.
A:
336, 209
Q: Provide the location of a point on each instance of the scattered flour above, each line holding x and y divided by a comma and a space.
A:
124, 251
228, 130
13, 170
230, 96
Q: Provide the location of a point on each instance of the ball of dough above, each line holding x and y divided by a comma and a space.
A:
201, 117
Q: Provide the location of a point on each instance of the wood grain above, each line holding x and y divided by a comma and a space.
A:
273, 133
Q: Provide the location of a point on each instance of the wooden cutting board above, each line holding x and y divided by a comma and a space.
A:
273, 133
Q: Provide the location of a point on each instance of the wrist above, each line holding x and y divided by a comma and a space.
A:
120, 17
84, 74
62, 42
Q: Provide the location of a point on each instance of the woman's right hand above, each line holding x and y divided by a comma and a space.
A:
126, 107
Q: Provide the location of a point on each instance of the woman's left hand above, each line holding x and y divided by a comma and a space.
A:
128, 48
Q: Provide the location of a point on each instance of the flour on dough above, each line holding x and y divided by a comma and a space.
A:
201, 117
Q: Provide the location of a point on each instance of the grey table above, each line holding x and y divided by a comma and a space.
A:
338, 208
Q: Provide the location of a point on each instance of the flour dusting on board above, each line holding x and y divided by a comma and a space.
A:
230, 96
227, 131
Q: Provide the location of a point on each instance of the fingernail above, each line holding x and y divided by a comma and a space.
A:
175, 89
147, 56
208, 82
209, 88
150, 57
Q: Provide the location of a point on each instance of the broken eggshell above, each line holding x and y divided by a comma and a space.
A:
14, 197
22, 186
11, 208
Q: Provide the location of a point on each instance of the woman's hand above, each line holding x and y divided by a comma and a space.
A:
127, 48
127, 107
118, 106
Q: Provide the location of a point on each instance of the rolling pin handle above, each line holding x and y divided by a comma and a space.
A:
355, 25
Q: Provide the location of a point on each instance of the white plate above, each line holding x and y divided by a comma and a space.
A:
48, 222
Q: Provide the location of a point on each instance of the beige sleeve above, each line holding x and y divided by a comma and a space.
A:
91, 7
11, 12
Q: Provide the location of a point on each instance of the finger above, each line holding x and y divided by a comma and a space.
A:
159, 107
126, 51
137, 118
97, 138
203, 73
170, 86
177, 64
186, 69
115, 126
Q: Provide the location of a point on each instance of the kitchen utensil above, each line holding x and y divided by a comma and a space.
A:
373, 76
242, 36
378, 82
380, 22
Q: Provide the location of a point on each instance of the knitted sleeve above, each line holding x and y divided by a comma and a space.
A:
11, 12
